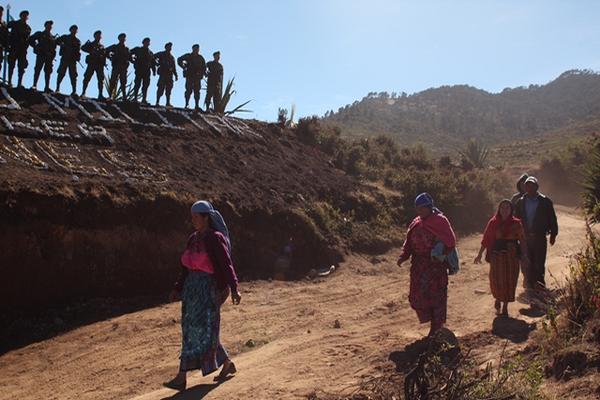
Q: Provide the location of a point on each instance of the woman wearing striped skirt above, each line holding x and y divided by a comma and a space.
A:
504, 243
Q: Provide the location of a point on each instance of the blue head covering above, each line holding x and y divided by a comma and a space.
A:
216, 219
425, 200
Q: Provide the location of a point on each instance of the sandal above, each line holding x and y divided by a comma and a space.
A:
223, 375
173, 384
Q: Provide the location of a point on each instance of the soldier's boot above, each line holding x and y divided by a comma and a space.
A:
187, 100
84, 87
168, 101
73, 89
36, 78
11, 70
58, 82
20, 79
47, 82
100, 96
144, 96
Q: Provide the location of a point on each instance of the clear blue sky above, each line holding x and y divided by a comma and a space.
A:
323, 54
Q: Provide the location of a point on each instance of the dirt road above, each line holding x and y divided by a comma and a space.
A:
296, 349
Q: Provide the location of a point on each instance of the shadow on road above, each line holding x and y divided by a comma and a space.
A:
515, 330
196, 392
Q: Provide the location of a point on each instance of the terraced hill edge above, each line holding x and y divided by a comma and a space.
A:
94, 196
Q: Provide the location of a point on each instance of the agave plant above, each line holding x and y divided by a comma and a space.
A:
116, 93
282, 117
475, 153
228, 93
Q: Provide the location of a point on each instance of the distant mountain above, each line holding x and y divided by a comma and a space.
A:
452, 114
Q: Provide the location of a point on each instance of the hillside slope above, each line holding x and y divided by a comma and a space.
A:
449, 115
94, 197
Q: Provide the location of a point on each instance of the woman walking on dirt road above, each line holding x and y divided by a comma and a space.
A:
207, 276
427, 233
504, 242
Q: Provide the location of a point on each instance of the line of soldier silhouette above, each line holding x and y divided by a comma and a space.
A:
16, 38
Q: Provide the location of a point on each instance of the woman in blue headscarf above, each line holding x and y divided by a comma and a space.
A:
207, 278
428, 232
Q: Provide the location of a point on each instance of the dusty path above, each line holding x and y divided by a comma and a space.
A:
297, 350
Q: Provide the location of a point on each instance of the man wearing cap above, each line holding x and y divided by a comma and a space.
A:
214, 85
3, 36
539, 220
119, 57
18, 45
44, 46
166, 71
96, 60
70, 54
143, 62
194, 68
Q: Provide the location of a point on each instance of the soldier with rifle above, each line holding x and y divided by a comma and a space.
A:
194, 68
214, 89
70, 54
166, 71
119, 57
143, 62
18, 43
3, 36
44, 47
96, 60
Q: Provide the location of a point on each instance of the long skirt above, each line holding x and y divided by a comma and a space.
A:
200, 324
504, 274
428, 289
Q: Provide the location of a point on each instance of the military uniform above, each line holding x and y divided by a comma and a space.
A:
3, 41
166, 70
44, 46
96, 60
143, 63
214, 89
119, 57
194, 69
70, 54
17, 50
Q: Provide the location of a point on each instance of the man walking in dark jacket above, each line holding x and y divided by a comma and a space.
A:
539, 220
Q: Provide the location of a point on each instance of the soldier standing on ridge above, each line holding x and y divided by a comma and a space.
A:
194, 68
166, 70
215, 82
3, 36
119, 57
18, 45
96, 60
70, 54
44, 46
143, 62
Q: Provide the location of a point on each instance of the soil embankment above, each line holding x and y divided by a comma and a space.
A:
295, 349
94, 197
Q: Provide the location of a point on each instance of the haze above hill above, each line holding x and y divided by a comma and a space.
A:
450, 115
